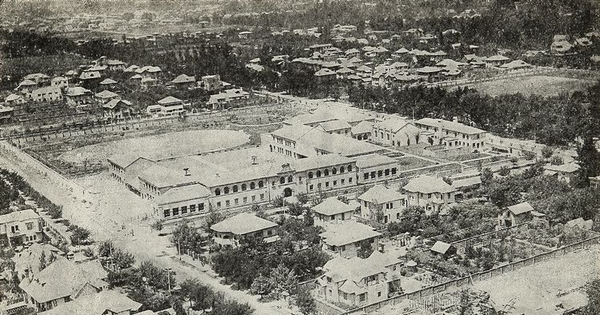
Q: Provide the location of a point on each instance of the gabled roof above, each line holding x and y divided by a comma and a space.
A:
64, 278
87, 75
393, 124
348, 233
520, 208
380, 194
241, 224
18, 216
332, 206
362, 127
426, 184
27, 83
13, 97
374, 159
169, 100
515, 64
106, 94
335, 125
497, 58
104, 302
324, 72
115, 102
449, 125
55, 79
108, 81
183, 193
183, 78
124, 160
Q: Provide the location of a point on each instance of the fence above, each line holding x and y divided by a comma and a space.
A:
480, 276
503, 76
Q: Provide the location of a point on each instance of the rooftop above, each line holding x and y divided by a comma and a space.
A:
241, 224
449, 125
104, 302
18, 216
335, 125
348, 233
371, 160
106, 94
520, 208
332, 206
183, 193
426, 184
362, 127
380, 194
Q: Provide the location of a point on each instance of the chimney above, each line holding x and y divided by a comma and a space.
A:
187, 171
254, 162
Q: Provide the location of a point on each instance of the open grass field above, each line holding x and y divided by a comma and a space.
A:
159, 146
540, 85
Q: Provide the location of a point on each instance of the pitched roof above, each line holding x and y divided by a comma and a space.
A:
440, 247
63, 278
89, 75
335, 125
348, 233
242, 224
380, 194
374, 159
108, 81
124, 160
183, 193
426, 184
77, 91
13, 97
332, 206
393, 124
520, 208
18, 216
183, 78
324, 72
106, 94
104, 302
169, 100
115, 102
497, 58
162, 177
27, 83
362, 127
449, 125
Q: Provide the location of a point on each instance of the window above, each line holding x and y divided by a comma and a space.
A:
318, 173
335, 183
244, 187
167, 213
349, 168
350, 180
310, 174
379, 294
175, 211
261, 184
29, 225
253, 198
342, 181
393, 171
387, 172
226, 190
428, 195
341, 169
326, 184
334, 171
366, 176
200, 206
362, 297
218, 204
236, 201
192, 208
373, 174
326, 173
184, 210
218, 192
245, 200
290, 179
235, 188
380, 173
227, 203
252, 185
311, 187
282, 180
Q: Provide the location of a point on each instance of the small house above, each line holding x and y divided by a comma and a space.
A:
515, 215
332, 210
231, 231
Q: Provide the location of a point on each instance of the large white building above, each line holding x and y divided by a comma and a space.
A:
452, 134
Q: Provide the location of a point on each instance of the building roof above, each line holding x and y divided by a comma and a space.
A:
108, 81
371, 160
348, 233
104, 302
169, 100
13, 97
183, 78
520, 208
30, 257
580, 223
63, 278
427, 184
87, 75
47, 89
335, 125
393, 124
362, 127
324, 72
55, 79
319, 161
77, 91
18, 216
440, 247
162, 177
497, 58
106, 94
182, 193
124, 160
309, 119
332, 206
564, 168
449, 125
380, 194
114, 102
241, 224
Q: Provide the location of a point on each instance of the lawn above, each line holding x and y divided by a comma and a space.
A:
409, 163
540, 85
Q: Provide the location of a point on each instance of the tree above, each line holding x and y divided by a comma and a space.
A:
43, 261
556, 160
123, 259
547, 152
365, 250
213, 218
593, 293
79, 235
504, 171
589, 162
262, 286
283, 280
305, 302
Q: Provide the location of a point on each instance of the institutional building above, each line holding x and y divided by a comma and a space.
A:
452, 133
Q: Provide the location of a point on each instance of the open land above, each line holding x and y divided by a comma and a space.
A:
529, 85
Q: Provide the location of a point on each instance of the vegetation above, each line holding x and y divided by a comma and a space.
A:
188, 239
79, 235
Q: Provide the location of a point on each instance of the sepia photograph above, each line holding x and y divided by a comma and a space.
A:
300, 157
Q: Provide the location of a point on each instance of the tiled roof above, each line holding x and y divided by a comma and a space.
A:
17, 216
449, 125
335, 125
105, 302
348, 233
380, 194
242, 224
520, 208
169, 100
106, 94
114, 102
183, 78
370, 160
362, 127
427, 184
183, 193
332, 206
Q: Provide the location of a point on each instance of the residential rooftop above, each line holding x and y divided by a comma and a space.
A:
242, 224
348, 233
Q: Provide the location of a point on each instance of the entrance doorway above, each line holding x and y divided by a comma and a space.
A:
287, 192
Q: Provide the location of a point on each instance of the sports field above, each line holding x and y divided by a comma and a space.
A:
540, 85
159, 146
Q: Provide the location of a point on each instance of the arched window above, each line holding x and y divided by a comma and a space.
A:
326, 172
226, 190
310, 174
235, 188
218, 192
261, 184
342, 169
252, 185
244, 187
290, 179
282, 180
379, 173
318, 173
387, 172
349, 168
334, 171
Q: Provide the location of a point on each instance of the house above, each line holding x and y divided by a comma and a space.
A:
20, 227
126, 167
108, 83
78, 96
595, 181
345, 239
388, 202
6, 113
431, 193
396, 132
355, 282
580, 223
60, 82
184, 81
560, 45
516, 214
332, 210
362, 131
218, 101
38, 78
28, 261
336, 126
114, 65
168, 106
106, 96
149, 72
107, 302
46, 94
444, 249
26, 86
376, 168
231, 231
563, 172
117, 109
14, 99
211, 82
452, 133
63, 281
89, 76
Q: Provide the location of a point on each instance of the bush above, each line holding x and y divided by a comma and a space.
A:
79, 235
55, 212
